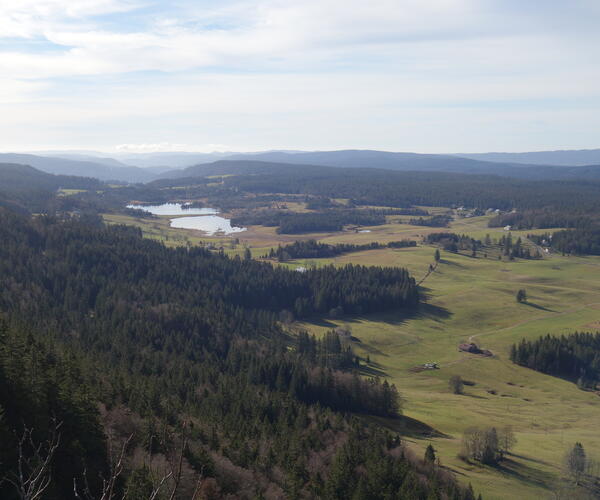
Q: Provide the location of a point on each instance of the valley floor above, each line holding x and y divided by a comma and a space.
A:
467, 299
473, 299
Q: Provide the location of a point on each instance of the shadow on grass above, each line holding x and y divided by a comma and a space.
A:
537, 306
430, 311
525, 473
372, 370
529, 459
425, 310
321, 321
409, 427
451, 263
475, 396
369, 349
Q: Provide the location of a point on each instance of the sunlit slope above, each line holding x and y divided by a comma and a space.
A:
474, 299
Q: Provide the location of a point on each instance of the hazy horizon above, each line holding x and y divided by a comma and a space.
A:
237, 75
119, 152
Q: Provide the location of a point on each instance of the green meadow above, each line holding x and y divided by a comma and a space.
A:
466, 299
473, 299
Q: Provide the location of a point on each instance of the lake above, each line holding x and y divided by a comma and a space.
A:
205, 219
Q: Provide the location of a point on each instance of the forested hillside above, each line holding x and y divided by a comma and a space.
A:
176, 355
380, 187
25, 187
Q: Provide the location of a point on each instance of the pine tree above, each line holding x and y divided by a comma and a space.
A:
430, 454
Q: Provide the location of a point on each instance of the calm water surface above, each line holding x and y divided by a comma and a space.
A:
205, 219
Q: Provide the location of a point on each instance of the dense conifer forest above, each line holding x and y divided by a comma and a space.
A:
24, 188
575, 357
329, 220
435, 221
312, 249
543, 218
580, 241
175, 356
405, 189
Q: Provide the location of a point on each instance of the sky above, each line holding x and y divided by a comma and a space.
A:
433, 76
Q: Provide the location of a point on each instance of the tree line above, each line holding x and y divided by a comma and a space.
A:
543, 218
435, 221
334, 219
379, 187
575, 357
312, 249
580, 241
505, 245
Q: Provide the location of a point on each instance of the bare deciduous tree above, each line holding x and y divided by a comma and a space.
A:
575, 462
506, 439
171, 477
34, 461
108, 484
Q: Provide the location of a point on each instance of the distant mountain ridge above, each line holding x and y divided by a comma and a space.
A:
241, 163
152, 166
235, 167
570, 158
182, 159
356, 159
81, 168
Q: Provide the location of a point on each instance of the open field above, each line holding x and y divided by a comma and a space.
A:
474, 300
260, 239
468, 299
70, 192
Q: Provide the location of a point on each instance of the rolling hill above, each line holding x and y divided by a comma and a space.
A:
550, 165
430, 162
23, 187
560, 158
83, 168
265, 162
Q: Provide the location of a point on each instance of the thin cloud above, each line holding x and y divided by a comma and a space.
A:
398, 74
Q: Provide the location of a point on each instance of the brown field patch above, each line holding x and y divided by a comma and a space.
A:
593, 324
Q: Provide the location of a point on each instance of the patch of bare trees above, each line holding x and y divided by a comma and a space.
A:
33, 474
34, 463
487, 445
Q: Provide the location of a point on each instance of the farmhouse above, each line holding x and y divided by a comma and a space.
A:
469, 347
472, 348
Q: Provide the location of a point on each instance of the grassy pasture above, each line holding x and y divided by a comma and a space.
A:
474, 299
70, 192
467, 299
